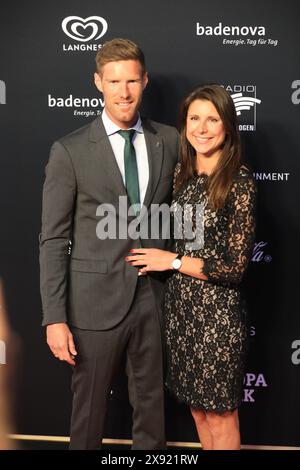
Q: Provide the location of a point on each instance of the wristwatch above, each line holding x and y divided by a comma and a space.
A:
176, 263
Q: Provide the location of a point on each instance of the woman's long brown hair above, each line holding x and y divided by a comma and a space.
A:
220, 181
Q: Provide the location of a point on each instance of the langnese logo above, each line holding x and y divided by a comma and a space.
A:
2, 92
84, 30
245, 102
82, 107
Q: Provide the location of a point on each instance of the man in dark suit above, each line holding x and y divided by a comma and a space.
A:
96, 306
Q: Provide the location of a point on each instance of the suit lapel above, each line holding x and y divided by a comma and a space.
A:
100, 147
155, 158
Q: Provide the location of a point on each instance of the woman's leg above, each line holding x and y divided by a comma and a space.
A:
225, 430
203, 430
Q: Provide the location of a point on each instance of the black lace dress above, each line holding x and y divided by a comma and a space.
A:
205, 321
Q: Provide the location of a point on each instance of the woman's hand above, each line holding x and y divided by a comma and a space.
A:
151, 259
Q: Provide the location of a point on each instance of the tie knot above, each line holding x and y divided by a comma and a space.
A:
127, 135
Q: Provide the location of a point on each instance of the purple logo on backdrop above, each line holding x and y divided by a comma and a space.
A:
259, 255
251, 383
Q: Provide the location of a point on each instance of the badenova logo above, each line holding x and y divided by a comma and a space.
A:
221, 30
85, 107
245, 102
2, 92
241, 35
296, 94
84, 30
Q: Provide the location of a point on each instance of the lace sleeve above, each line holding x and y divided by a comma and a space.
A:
232, 263
176, 173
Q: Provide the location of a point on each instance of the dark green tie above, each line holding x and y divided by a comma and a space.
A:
131, 171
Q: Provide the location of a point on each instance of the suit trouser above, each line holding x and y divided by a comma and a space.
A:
99, 357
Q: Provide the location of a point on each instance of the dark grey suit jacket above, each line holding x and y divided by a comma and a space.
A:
84, 280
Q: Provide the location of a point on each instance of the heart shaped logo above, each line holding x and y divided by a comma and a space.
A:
80, 29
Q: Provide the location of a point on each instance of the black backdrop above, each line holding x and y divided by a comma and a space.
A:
249, 47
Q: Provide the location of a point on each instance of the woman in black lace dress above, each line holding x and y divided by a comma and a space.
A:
206, 328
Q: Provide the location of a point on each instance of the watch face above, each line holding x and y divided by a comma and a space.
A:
176, 263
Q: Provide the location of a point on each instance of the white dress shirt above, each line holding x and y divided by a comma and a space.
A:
139, 143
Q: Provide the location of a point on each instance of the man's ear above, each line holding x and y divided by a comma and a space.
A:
98, 81
145, 80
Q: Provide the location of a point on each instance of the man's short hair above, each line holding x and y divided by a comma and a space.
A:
119, 49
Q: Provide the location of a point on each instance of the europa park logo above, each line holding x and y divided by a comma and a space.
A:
84, 30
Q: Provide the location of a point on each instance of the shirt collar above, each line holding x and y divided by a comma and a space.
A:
111, 128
